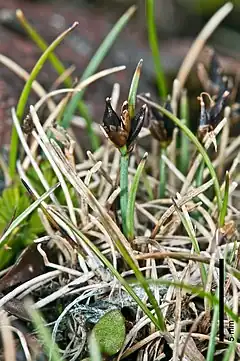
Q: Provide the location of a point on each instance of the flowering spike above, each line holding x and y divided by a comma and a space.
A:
136, 125
161, 126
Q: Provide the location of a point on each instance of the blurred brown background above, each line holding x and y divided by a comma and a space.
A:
178, 21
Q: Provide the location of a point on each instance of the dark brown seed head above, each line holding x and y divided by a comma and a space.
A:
211, 115
136, 125
161, 127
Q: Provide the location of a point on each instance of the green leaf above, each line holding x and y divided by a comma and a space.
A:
110, 332
154, 44
25, 94
133, 89
96, 61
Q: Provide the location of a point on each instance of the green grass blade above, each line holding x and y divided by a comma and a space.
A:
108, 264
132, 198
60, 69
133, 89
96, 60
193, 240
154, 45
184, 141
41, 43
44, 334
223, 211
27, 211
25, 94
197, 144
214, 328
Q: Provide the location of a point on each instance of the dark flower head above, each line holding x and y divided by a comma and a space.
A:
211, 115
161, 126
122, 130
214, 81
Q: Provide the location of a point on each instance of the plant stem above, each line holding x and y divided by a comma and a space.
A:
132, 198
162, 174
124, 187
153, 42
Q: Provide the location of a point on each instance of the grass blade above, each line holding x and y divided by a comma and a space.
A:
224, 208
153, 42
214, 328
133, 89
40, 42
184, 141
60, 69
132, 198
44, 333
25, 93
188, 228
96, 60
27, 211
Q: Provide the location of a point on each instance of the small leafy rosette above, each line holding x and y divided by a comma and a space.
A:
122, 131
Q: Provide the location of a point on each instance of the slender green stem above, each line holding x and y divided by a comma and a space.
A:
96, 60
162, 174
124, 187
184, 141
198, 145
24, 97
154, 45
132, 198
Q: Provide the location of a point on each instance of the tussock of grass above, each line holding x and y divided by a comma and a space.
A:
152, 255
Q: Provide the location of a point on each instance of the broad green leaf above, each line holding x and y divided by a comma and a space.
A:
110, 332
